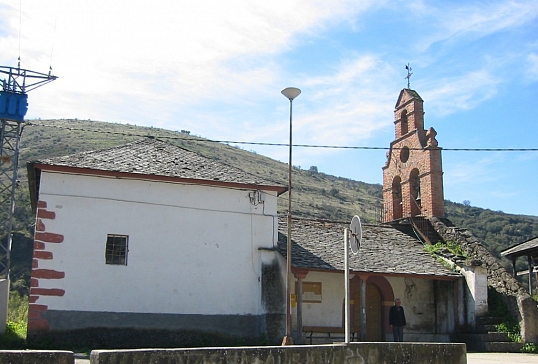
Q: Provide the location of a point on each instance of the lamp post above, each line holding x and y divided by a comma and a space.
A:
291, 93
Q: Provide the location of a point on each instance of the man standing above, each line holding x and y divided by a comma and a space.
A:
397, 320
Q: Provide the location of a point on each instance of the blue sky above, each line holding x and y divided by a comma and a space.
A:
216, 68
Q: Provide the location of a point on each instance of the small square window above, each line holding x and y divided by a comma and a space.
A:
116, 249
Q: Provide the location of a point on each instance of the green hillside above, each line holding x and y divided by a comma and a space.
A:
315, 195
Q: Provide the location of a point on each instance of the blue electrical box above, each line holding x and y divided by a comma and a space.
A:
13, 106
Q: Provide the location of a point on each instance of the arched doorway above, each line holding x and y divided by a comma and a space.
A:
374, 313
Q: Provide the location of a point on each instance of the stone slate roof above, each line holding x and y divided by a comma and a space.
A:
529, 247
153, 157
319, 246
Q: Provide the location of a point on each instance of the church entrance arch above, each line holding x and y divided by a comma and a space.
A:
378, 299
374, 317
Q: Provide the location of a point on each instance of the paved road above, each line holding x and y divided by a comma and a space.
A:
82, 359
472, 358
505, 358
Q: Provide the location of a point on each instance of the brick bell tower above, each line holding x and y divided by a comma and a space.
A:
413, 173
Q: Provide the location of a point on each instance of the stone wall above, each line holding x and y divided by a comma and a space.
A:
519, 302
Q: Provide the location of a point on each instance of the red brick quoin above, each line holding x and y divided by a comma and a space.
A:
42, 237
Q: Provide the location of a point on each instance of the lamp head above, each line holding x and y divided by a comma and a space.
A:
291, 92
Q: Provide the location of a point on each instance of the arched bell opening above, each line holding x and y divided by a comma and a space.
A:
404, 123
397, 203
414, 190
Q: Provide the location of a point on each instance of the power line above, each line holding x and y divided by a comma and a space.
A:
203, 140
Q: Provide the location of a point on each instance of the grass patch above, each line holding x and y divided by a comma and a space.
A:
439, 250
450, 246
18, 309
17, 321
529, 348
511, 329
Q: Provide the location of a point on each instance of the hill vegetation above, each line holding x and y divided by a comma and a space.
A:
316, 195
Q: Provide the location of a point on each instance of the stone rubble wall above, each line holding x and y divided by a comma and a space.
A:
519, 301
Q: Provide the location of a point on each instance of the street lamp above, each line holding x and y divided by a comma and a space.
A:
291, 93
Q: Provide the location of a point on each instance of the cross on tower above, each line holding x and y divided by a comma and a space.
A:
409, 74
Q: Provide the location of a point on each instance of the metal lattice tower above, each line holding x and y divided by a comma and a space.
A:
9, 151
13, 107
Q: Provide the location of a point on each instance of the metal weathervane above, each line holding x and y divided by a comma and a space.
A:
409, 74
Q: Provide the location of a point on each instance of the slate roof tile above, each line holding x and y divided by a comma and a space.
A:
153, 157
527, 247
318, 245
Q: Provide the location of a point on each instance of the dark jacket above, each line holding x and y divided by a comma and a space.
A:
397, 316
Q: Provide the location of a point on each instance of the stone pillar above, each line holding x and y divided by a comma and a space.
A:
300, 275
362, 287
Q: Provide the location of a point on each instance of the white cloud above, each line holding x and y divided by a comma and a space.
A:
215, 68
473, 19
351, 103
470, 170
170, 52
341, 108
452, 94
532, 67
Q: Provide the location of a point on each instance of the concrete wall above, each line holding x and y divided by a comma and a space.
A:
193, 251
36, 357
365, 353
4, 299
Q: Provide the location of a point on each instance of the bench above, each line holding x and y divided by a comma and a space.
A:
328, 330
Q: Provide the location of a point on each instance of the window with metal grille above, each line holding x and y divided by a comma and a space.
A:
116, 249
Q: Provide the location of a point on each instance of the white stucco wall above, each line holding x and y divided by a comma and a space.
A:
417, 300
329, 311
416, 295
477, 285
192, 249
